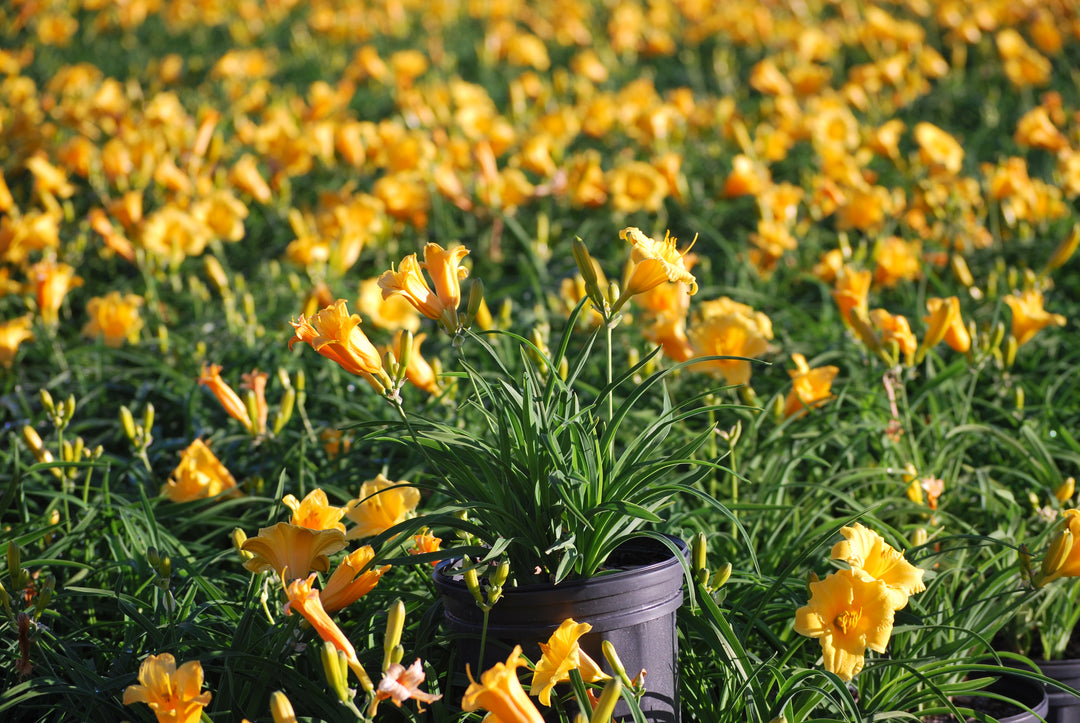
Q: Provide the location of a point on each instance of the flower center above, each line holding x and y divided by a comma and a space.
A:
847, 620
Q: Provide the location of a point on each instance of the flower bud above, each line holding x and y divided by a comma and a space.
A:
699, 554
44, 596
148, 418
19, 576
281, 709
918, 537
472, 582
615, 662
1010, 351
285, 410
475, 306
5, 600
47, 401
1019, 399
1065, 490
1065, 250
127, 421
722, 575
239, 537
336, 670
961, 271
395, 622
605, 706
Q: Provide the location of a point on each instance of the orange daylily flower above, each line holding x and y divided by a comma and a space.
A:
809, 387
315, 512
654, 263
336, 334
1029, 316
174, 694
200, 474
894, 327
12, 334
444, 267
381, 505
350, 582
52, 281
499, 691
945, 323
425, 542
114, 317
727, 328
393, 314
292, 551
409, 283
851, 290
897, 260
1063, 556
226, 395
305, 600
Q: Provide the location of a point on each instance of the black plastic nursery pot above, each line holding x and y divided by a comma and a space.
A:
1064, 706
633, 606
1026, 691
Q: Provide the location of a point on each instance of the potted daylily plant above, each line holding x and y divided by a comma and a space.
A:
552, 467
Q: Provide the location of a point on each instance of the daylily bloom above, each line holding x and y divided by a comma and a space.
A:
946, 323
393, 314
897, 260
809, 387
851, 290
12, 334
348, 584
52, 281
305, 600
560, 655
226, 395
444, 268
654, 263
727, 328
424, 542
292, 551
174, 694
315, 512
200, 474
894, 327
381, 505
114, 317
1029, 316
499, 691
335, 334
409, 283
399, 684
938, 150
848, 612
866, 550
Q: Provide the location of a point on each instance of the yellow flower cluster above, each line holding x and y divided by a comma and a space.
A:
852, 609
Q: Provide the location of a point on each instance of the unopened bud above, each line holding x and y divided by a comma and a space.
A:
613, 659
44, 596
605, 706
961, 271
47, 401
918, 537
1019, 399
1056, 556
472, 582
1065, 490
722, 576
148, 418
404, 350
217, 275
474, 303
336, 670
395, 623
127, 421
1010, 351
281, 709
239, 537
699, 553
285, 410
1065, 250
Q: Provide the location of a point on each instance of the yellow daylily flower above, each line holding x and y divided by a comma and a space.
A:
200, 474
380, 505
654, 263
809, 387
848, 612
560, 655
866, 550
174, 694
12, 334
408, 282
1029, 316
1063, 556
444, 268
315, 512
114, 317
499, 691
292, 551
945, 323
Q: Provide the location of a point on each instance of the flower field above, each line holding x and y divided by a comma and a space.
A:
301, 299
